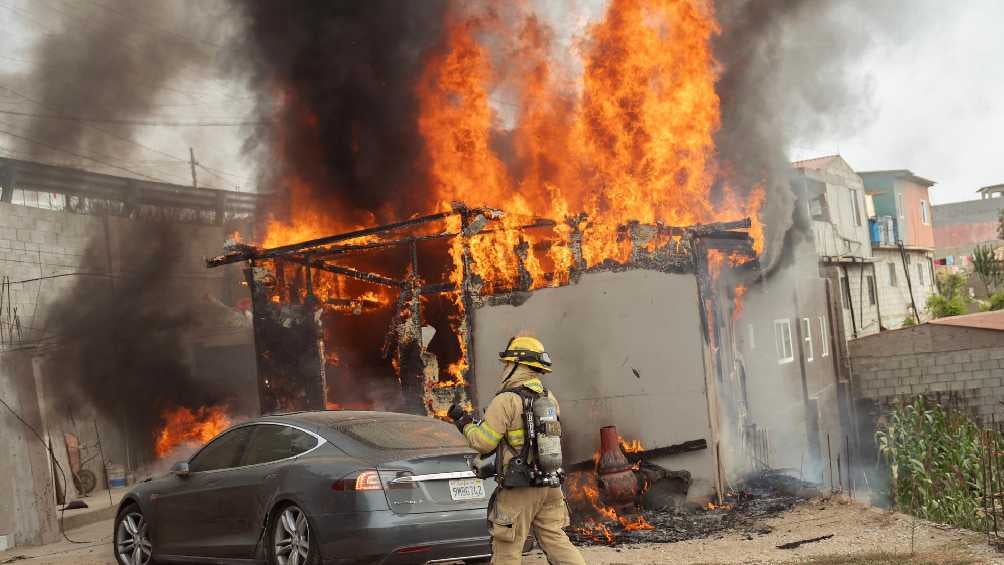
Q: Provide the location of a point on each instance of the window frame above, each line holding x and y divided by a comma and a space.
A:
901, 210
893, 278
219, 437
855, 207
872, 290
244, 462
845, 293
925, 213
806, 326
781, 358
824, 336
920, 274
320, 441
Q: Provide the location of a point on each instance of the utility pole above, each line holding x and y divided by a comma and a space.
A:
192, 162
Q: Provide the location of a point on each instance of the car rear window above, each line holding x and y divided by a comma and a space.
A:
411, 433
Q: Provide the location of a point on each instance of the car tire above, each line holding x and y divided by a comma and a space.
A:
286, 545
131, 541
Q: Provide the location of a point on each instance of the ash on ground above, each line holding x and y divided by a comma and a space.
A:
760, 496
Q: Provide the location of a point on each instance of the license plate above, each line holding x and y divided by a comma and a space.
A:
467, 489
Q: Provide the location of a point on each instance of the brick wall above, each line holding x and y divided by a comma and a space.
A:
934, 360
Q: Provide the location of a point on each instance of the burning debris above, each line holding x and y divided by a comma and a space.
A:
743, 509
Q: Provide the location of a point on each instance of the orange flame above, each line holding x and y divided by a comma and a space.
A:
737, 300
184, 426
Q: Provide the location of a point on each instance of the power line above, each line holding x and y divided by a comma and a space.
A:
119, 137
80, 156
225, 122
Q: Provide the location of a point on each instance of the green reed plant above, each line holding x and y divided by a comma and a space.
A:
936, 459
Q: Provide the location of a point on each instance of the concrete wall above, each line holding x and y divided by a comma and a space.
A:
795, 401
932, 359
628, 351
37, 243
866, 318
27, 495
893, 292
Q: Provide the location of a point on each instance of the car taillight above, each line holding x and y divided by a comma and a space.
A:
370, 480
361, 481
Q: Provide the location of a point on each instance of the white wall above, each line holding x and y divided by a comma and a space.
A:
627, 350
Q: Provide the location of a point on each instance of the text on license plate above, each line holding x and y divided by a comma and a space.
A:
467, 489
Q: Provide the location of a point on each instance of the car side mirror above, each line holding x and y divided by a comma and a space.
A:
181, 469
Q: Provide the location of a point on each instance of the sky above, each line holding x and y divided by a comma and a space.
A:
934, 102
932, 85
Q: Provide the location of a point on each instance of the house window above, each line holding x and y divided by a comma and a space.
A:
920, 274
892, 274
807, 338
855, 207
782, 339
899, 204
925, 213
871, 290
824, 338
751, 337
845, 290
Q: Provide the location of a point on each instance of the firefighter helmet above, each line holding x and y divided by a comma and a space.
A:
527, 351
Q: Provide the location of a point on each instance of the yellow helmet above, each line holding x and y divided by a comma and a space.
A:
527, 351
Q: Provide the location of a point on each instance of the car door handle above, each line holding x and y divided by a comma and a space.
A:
271, 476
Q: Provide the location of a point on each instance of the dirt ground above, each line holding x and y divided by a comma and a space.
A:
860, 535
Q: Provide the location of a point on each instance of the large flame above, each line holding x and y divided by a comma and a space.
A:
620, 131
187, 427
627, 137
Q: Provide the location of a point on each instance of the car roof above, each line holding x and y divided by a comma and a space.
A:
332, 418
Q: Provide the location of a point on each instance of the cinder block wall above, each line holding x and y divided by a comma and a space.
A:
935, 360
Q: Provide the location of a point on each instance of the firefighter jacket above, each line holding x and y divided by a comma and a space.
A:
504, 417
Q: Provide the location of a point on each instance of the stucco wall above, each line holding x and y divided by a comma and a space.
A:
627, 350
916, 232
932, 359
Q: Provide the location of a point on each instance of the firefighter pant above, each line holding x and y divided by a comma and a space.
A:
518, 511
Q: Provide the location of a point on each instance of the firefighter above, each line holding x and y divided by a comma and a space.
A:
529, 497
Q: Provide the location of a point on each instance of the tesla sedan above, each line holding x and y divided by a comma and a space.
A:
313, 487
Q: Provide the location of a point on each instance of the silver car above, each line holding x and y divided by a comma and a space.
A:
313, 487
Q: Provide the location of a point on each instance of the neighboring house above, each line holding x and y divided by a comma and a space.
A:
836, 201
960, 356
902, 237
959, 227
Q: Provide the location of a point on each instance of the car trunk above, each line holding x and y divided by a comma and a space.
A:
423, 463
437, 482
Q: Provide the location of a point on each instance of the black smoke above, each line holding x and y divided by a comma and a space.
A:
111, 62
345, 75
120, 335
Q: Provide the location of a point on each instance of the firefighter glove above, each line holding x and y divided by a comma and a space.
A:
459, 417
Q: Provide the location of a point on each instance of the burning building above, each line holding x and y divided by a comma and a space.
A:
478, 181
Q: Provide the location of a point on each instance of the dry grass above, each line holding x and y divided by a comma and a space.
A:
883, 558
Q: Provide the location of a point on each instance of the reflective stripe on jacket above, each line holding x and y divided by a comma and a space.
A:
504, 415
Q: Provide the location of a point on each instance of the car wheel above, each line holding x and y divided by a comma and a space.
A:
132, 537
292, 540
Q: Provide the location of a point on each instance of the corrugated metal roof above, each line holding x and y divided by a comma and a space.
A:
981, 320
